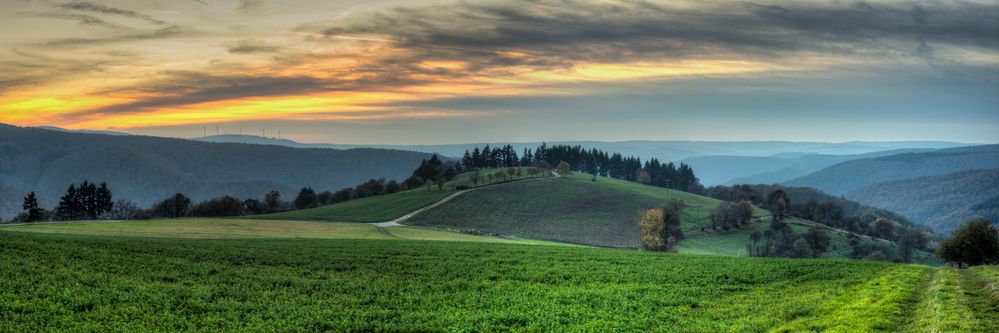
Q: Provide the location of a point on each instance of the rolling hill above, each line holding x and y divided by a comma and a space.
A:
940, 202
146, 169
848, 176
777, 168
646, 149
604, 213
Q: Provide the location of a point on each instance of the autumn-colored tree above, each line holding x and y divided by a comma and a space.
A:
563, 169
660, 229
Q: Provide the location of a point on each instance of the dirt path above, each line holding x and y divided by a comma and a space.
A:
398, 222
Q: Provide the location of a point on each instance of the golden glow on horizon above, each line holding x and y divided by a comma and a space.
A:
349, 104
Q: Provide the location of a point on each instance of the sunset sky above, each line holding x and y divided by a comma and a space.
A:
473, 71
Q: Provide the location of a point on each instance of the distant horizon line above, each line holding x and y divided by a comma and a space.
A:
119, 131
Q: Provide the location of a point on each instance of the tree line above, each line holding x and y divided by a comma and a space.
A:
591, 161
831, 211
90, 201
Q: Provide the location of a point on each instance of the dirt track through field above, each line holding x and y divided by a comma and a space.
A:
398, 222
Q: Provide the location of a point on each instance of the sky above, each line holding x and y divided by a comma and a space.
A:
426, 72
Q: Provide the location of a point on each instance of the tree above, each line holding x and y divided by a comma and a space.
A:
563, 169
660, 228
104, 201
884, 227
916, 239
475, 177
440, 181
976, 242
30, 206
69, 207
802, 249
643, 177
744, 211
392, 186
273, 201
124, 210
778, 203
176, 206
306, 198
221, 206
653, 231
755, 237
817, 239
343, 195
326, 197
254, 207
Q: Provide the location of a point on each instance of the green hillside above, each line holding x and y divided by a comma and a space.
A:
941, 202
572, 209
604, 213
388, 207
379, 208
104, 283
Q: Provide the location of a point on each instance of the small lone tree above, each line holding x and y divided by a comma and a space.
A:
884, 227
974, 243
563, 169
31, 207
660, 229
307, 198
802, 249
653, 230
476, 177
778, 203
273, 201
744, 211
440, 181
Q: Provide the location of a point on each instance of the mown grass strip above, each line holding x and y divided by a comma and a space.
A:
883, 303
943, 308
979, 295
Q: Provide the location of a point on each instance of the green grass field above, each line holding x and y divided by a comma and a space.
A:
245, 228
572, 209
371, 209
577, 210
106, 283
387, 207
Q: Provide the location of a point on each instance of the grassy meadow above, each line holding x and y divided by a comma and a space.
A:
87, 282
572, 209
575, 209
379, 208
388, 207
215, 228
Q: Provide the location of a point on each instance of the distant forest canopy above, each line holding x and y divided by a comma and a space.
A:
944, 202
591, 161
814, 205
854, 175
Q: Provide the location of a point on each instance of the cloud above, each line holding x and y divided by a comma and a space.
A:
251, 47
171, 31
102, 9
185, 88
555, 33
83, 19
